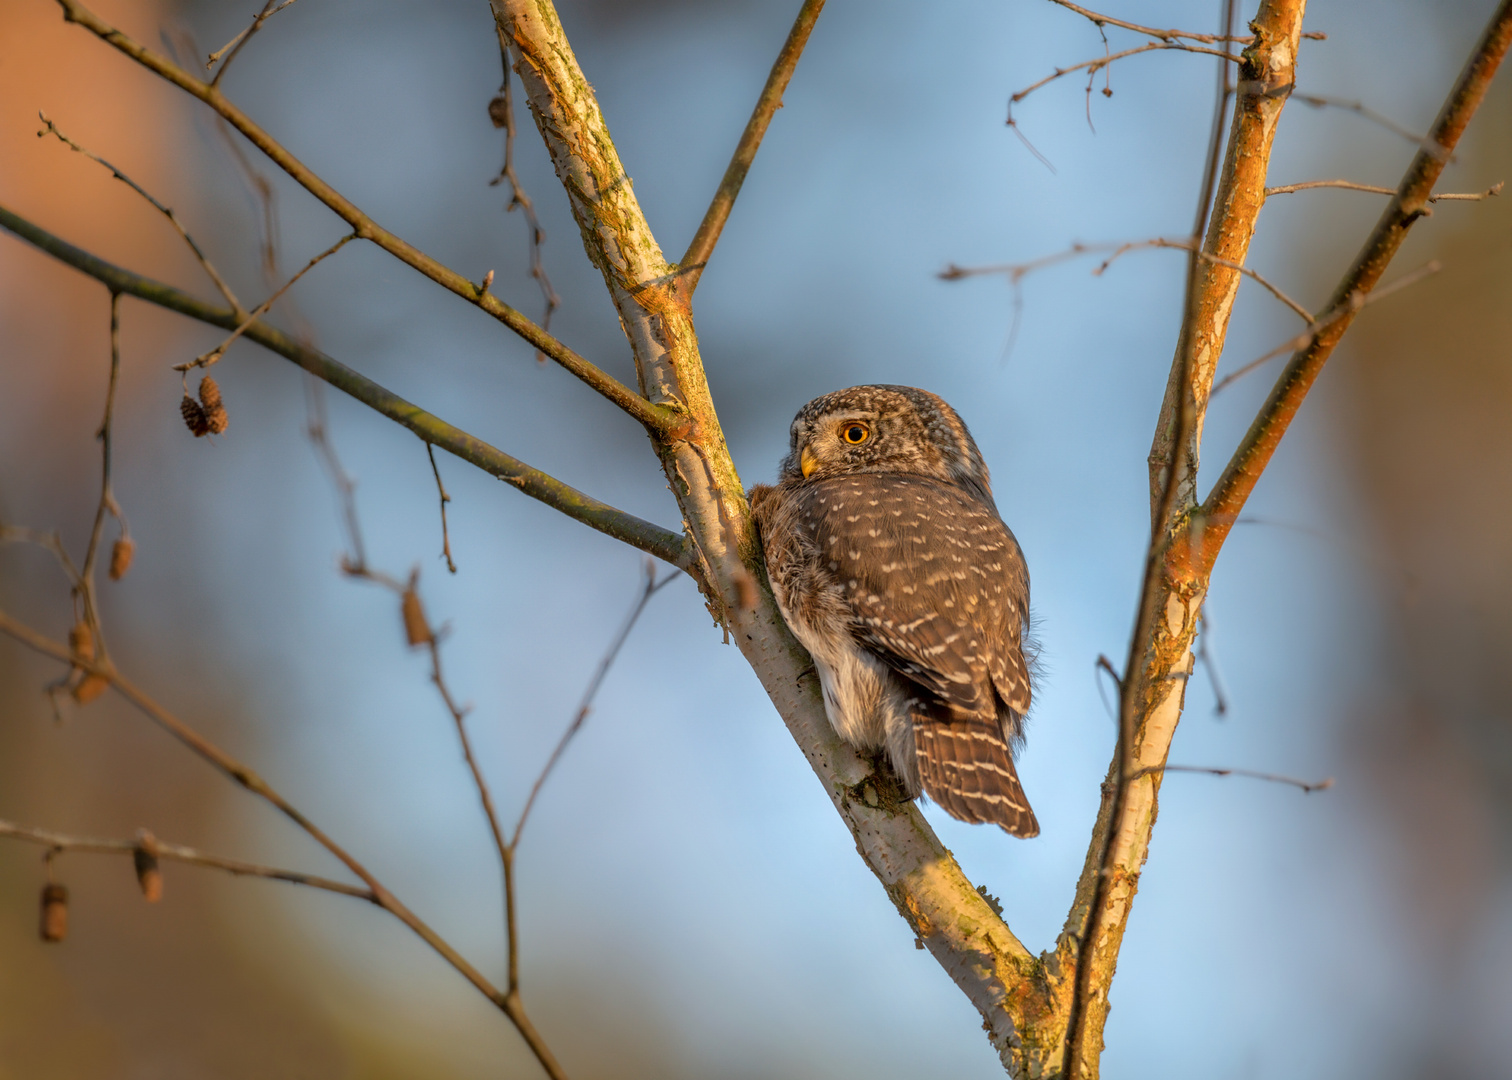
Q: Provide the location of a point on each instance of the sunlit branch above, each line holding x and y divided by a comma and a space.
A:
702, 246
652, 539
658, 418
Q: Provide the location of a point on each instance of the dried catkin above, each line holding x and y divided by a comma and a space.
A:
416, 629
121, 553
54, 924
81, 641
194, 416
214, 408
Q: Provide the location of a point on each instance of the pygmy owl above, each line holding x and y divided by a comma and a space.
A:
891, 565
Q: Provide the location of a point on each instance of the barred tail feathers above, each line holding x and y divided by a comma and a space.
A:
966, 766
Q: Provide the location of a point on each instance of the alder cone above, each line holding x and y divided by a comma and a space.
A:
54, 924
214, 409
498, 111
90, 687
121, 553
194, 416
416, 629
81, 641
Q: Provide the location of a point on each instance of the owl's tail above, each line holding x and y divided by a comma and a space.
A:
967, 767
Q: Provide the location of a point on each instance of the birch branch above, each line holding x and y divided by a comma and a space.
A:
649, 538
943, 909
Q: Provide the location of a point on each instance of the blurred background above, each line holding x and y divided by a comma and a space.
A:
691, 906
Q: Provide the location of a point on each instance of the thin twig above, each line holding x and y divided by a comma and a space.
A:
1205, 656
178, 853
271, 8
501, 111
1100, 20
1308, 786
1016, 271
1093, 66
317, 430
107, 502
254, 783
214, 355
648, 590
661, 419
445, 498
1424, 143
1473, 196
1152, 582
1347, 310
650, 538
204, 260
702, 246
1104, 665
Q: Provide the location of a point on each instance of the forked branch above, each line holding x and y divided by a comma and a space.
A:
657, 418
652, 539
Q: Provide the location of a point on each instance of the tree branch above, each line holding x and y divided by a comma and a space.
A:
178, 853
1195, 555
649, 538
1473, 196
656, 418
702, 246
943, 910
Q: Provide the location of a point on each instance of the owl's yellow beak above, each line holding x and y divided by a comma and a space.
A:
807, 462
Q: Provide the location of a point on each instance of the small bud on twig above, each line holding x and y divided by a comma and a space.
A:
54, 924
121, 553
416, 629
90, 685
215, 410
487, 281
149, 877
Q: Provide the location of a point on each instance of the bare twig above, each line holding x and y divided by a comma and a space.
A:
1345, 311
1100, 20
254, 783
178, 853
501, 112
650, 538
1015, 272
445, 498
648, 590
271, 8
204, 260
1308, 786
1473, 196
1093, 66
702, 246
107, 502
214, 355
1205, 655
1425, 143
661, 419
1091, 933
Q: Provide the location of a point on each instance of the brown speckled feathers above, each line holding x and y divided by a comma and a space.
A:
897, 573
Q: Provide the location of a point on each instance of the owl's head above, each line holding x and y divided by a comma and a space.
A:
884, 429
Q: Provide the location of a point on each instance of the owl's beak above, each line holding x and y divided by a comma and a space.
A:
807, 462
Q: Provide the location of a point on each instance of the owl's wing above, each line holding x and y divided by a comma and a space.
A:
934, 581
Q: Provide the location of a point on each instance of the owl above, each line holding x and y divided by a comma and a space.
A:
890, 564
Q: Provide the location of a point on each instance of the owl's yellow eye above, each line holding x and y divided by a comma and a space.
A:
855, 434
